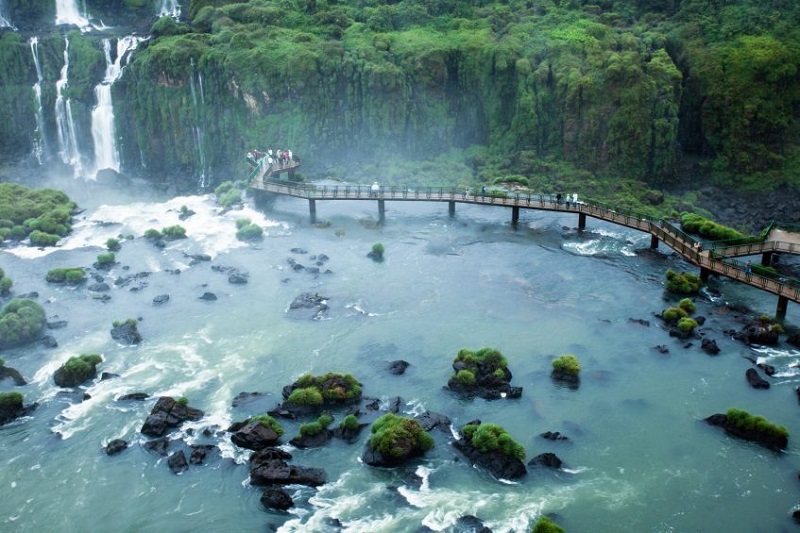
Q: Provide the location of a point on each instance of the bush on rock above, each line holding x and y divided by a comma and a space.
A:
396, 439
70, 275
683, 283
21, 321
77, 370
482, 373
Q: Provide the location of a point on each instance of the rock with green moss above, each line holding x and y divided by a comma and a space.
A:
21, 321
77, 370
168, 414
349, 429
126, 332
742, 424
483, 373
546, 525
5, 283
683, 282
256, 433
492, 447
395, 439
6, 372
69, 275
314, 434
310, 394
566, 369
11, 407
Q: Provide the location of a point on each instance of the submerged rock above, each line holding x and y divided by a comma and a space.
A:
116, 446
709, 346
276, 498
270, 466
756, 381
314, 303
208, 297
398, 367
6, 372
177, 462
547, 460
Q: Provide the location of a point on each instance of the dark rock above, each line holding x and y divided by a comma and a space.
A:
488, 384
200, 453
755, 332
126, 332
270, 466
73, 396
99, 287
794, 340
378, 258
108, 375
56, 324
184, 214
74, 377
208, 296
177, 462
166, 415
661, 349
709, 346
314, 302
349, 435
254, 436
768, 369
322, 258
6, 372
796, 516
430, 420
29, 295
238, 277
10, 411
548, 460
312, 441
398, 367
197, 257
276, 498
680, 334
640, 321
298, 251
470, 524
157, 446
755, 381
554, 436
499, 465
161, 299
48, 341
134, 396
116, 446
244, 398
768, 440
569, 379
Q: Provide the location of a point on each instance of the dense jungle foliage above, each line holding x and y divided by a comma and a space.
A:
617, 99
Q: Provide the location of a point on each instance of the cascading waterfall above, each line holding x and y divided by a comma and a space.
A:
106, 154
197, 130
67, 137
170, 8
4, 22
67, 13
39, 146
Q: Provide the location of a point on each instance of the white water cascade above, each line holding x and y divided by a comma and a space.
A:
67, 13
67, 137
39, 146
170, 8
197, 130
4, 22
106, 154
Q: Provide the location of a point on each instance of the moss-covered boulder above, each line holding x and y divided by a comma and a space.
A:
68, 275
492, 447
683, 282
44, 215
168, 414
314, 434
5, 283
349, 428
309, 394
77, 370
21, 321
395, 439
566, 369
256, 433
11, 407
270, 466
483, 373
742, 424
126, 332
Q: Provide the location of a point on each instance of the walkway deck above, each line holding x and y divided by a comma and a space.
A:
715, 261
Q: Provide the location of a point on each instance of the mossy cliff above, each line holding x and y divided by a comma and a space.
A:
641, 89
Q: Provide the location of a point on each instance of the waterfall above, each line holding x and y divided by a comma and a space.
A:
67, 138
170, 8
39, 146
4, 22
67, 13
199, 140
106, 154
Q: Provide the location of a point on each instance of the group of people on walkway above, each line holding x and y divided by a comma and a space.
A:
567, 199
282, 158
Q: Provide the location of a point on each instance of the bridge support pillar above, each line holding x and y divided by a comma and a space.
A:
704, 274
312, 210
780, 311
766, 259
514, 216
581, 221
653, 242
381, 211
451, 208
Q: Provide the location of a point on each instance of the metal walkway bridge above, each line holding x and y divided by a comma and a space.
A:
717, 257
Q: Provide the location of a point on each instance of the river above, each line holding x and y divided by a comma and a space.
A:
639, 456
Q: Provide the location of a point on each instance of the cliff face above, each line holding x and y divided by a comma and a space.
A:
621, 88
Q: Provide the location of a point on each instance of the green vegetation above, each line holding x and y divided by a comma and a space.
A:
113, 244
673, 314
229, 193
349, 423
377, 249
466, 377
44, 215
693, 223
152, 234
493, 438
744, 420
330, 388
83, 364
71, 275
545, 525
306, 396
131, 322
312, 428
687, 324
397, 436
106, 259
269, 422
183, 401
10, 401
567, 364
683, 283
247, 231
687, 305
5, 283
489, 357
172, 233
21, 321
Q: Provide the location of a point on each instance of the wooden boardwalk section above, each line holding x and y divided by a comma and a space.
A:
718, 259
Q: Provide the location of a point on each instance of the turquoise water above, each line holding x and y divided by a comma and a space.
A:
640, 459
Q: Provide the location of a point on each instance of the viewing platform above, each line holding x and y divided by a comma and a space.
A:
717, 257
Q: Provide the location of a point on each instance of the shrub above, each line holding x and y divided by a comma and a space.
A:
493, 438
687, 305
175, 232
693, 223
222, 188
75, 276
673, 314
325, 420
311, 428
2, 362
5, 283
545, 525
377, 249
230, 198
567, 364
25, 210
21, 321
777, 328
397, 436
113, 244
485, 356
350, 423
683, 283
152, 234
249, 232
82, 364
466, 377
10, 401
127, 322
183, 401
307, 396
744, 420
108, 258
332, 387
269, 422
40, 238
687, 324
